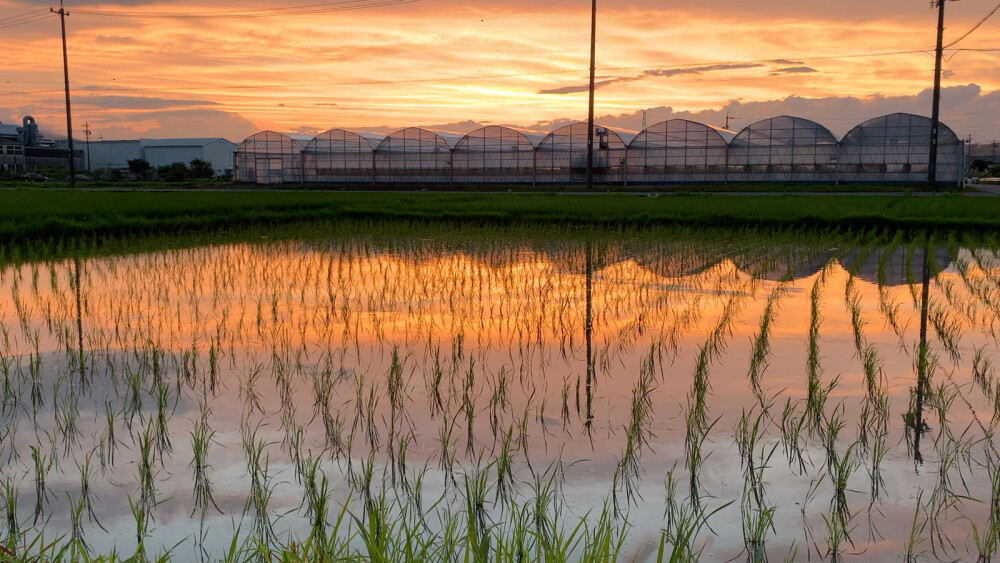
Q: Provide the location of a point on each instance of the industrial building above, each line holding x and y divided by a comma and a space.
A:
889, 149
23, 149
161, 152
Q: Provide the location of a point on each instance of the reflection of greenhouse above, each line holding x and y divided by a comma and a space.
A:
892, 148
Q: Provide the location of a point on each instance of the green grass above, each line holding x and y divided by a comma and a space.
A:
33, 215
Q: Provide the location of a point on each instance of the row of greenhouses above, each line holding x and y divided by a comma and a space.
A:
891, 148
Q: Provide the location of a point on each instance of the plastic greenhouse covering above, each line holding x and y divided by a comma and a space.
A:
494, 154
896, 147
562, 155
891, 148
338, 156
784, 149
413, 155
677, 151
268, 158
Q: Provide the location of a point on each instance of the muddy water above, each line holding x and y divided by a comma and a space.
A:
405, 365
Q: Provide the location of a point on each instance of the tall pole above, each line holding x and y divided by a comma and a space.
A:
69, 114
590, 104
86, 132
936, 110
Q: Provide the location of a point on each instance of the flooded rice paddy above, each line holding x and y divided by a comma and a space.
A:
408, 394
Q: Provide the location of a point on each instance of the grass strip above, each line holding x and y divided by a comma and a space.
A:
28, 215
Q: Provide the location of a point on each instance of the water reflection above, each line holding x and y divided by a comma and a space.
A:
243, 389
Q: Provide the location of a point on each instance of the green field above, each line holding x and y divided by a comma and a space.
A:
31, 215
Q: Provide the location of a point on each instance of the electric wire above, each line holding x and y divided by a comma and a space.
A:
33, 12
977, 26
307, 9
34, 19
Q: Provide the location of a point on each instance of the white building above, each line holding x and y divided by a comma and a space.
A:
163, 152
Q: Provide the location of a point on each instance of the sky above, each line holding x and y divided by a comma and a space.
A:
181, 68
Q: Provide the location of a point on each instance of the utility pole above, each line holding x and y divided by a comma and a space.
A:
86, 132
936, 110
590, 104
69, 114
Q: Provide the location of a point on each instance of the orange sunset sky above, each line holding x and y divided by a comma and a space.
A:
209, 69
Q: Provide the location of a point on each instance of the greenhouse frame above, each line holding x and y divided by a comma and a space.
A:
783, 149
494, 154
561, 157
678, 151
896, 148
338, 156
893, 148
413, 155
268, 158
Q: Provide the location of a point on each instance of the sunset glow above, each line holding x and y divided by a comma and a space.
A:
138, 70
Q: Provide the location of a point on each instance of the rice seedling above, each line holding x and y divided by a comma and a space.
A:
201, 438
760, 353
685, 522
8, 491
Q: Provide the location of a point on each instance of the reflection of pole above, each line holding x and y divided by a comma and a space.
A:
918, 415
79, 317
590, 331
590, 104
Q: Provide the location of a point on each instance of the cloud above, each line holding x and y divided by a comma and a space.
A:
586, 87
180, 123
136, 102
964, 109
659, 73
793, 70
699, 69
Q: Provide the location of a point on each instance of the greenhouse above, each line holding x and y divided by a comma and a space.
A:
892, 148
494, 154
896, 148
268, 158
677, 151
783, 149
413, 155
338, 156
561, 157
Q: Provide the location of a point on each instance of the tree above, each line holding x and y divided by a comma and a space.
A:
139, 167
980, 165
176, 172
201, 169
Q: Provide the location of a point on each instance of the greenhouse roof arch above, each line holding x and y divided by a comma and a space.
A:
784, 131
413, 140
338, 141
678, 133
898, 129
494, 138
270, 142
573, 137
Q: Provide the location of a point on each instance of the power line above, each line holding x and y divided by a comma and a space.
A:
977, 26
306, 9
33, 19
25, 14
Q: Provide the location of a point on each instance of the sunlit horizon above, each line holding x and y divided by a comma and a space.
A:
143, 71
